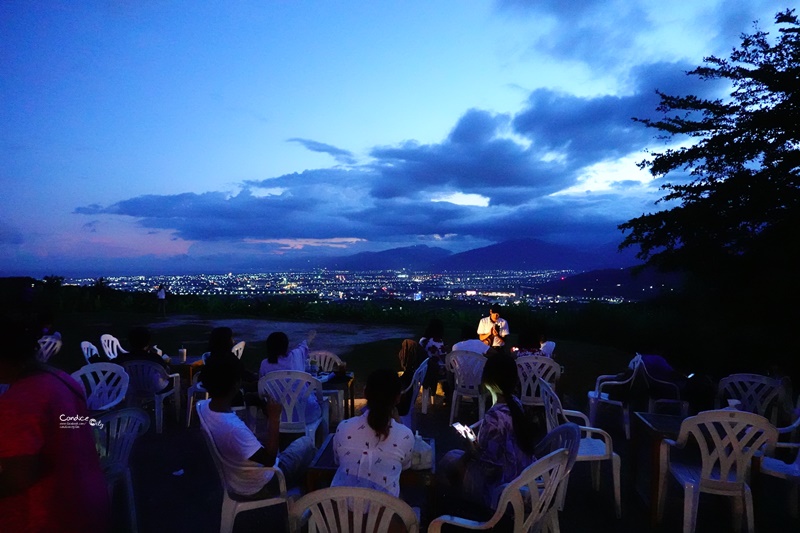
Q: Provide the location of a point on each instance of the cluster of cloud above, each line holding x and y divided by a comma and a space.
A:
519, 164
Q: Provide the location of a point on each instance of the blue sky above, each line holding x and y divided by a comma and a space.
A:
169, 137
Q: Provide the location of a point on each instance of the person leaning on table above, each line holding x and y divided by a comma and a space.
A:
240, 447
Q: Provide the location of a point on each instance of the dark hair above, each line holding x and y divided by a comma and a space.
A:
496, 308
221, 373
435, 329
139, 338
277, 346
467, 332
220, 340
20, 340
527, 339
383, 388
500, 373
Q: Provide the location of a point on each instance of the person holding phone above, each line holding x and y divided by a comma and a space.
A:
504, 444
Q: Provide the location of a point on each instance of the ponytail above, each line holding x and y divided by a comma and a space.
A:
382, 390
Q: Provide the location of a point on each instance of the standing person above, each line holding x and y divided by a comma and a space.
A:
162, 299
50, 476
238, 445
492, 329
505, 442
373, 448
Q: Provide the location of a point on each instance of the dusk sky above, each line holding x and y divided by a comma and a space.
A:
169, 137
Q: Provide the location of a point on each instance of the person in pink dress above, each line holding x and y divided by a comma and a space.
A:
50, 476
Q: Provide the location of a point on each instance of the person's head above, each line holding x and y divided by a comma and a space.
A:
435, 329
494, 312
277, 346
500, 379
382, 392
220, 340
139, 338
19, 342
527, 339
221, 374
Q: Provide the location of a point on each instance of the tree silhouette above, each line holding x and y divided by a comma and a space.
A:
739, 206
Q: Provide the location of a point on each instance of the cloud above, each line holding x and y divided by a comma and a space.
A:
531, 167
342, 156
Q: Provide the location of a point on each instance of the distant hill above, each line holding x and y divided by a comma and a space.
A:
620, 282
418, 257
533, 254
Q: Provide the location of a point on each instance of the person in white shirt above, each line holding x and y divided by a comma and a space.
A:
374, 448
239, 446
469, 343
492, 329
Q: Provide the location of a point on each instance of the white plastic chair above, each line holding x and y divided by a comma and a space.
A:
774, 467
195, 390
548, 347
350, 510
529, 369
759, 394
233, 504
467, 368
326, 361
531, 496
111, 346
105, 383
89, 350
238, 349
595, 446
149, 381
292, 389
600, 394
49, 345
114, 436
414, 387
727, 439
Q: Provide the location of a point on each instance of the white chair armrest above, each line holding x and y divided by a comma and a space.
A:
569, 413
788, 445
791, 427
436, 524
587, 431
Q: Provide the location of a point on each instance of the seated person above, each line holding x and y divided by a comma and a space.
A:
50, 475
280, 358
527, 344
238, 445
411, 356
433, 345
373, 448
469, 342
139, 339
504, 444
220, 343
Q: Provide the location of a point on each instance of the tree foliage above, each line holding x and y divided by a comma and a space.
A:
739, 204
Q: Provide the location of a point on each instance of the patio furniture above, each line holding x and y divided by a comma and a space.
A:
149, 381
49, 345
413, 389
326, 361
238, 349
467, 368
111, 346
529, 369
89, 350
115, 434
727, 440
595, 446
292, 388
105, 383
531, 497
758, 394
194, 391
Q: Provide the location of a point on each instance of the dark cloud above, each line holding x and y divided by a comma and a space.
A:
517, 162
91, 227
342, 156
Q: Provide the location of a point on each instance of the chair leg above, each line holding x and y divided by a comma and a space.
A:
454, 406
595, 470
228, 517
748, 510
189, 409
159, 415
691, 499
131, 501
562, 493
616, 467
426, 398
592, 411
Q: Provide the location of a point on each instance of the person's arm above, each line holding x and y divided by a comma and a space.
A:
19, 473
266, 455
484, 334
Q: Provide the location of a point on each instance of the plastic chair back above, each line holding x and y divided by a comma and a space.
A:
759, 394
115, 434
147, 378
105, 383
553, 412
529, 369
89, 350
413, 388
467, 368
351, 510
238, 349
49, 345
326, 361
111, 346
291, 388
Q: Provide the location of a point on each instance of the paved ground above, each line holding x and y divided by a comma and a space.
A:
177, 489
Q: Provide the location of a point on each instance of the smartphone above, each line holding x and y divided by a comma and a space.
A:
465, 431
